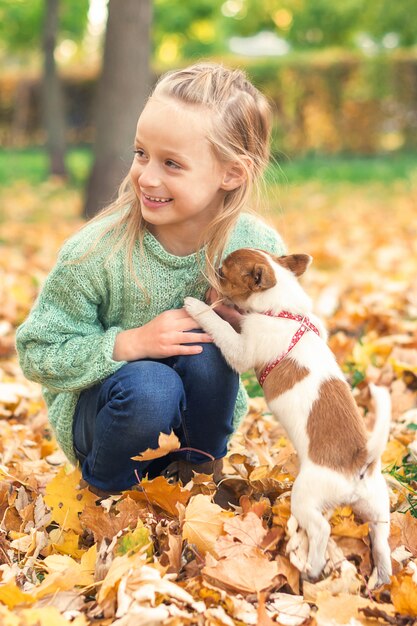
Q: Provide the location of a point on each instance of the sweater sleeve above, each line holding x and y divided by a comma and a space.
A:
63, 344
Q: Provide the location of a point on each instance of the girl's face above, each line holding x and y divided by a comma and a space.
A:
179, 182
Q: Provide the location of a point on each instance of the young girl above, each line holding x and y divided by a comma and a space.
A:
119, 359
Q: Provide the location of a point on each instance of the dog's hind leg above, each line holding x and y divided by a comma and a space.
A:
309, 517
374, 508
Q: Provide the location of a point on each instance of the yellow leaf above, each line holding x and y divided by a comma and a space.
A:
58, 563
203, 523
88, 560
166, 444
11, 595
65, 542
66, 500
393, 453
61, 581
282, 512
404, 593
349, 528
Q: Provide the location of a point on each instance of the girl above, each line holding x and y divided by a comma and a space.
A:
119, 359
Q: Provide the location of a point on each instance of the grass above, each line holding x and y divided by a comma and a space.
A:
355, 169
31, 165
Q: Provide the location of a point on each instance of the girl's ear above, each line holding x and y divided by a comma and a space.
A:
236, 173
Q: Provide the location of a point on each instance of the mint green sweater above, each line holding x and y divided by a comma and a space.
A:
66, 343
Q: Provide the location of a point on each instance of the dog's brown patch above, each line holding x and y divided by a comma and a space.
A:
243, 272
296, 263
282, 378
336, 430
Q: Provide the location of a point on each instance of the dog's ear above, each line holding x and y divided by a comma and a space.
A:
296, 263
261, 277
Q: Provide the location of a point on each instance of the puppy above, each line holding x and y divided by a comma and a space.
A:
305, 389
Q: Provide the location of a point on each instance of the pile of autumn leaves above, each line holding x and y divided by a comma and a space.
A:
165, 553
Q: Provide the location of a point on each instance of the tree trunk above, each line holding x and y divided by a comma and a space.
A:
52, 97
122, 91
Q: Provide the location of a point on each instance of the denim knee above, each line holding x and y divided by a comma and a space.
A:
147, 394
208, 368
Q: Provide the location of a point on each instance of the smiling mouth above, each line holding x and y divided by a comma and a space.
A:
159, 200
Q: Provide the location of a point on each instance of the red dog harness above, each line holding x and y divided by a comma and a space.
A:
305, 326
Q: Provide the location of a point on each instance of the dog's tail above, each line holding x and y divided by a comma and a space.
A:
379, 436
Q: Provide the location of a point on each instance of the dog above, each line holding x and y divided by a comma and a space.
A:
307, 392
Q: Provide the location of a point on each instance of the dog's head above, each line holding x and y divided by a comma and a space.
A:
247, 273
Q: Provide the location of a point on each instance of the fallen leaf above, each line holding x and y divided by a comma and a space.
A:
245, 573
166, 444
404, 592
408, 528
203, 523
159, 492
66, 500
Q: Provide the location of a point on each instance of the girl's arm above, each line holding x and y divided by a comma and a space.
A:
63, 344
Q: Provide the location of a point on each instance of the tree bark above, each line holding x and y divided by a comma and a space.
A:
122, 90
52, 98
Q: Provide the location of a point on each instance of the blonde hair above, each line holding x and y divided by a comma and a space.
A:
239, 132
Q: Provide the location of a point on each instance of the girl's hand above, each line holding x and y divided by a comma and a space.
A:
164, 336
228, 313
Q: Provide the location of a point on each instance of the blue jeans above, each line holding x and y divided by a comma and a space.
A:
192, 395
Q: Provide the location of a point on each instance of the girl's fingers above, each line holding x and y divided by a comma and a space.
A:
187, 350
185, 338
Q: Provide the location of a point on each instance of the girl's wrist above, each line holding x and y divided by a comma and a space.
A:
128, 346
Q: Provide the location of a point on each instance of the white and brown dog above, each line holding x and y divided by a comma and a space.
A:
305, 389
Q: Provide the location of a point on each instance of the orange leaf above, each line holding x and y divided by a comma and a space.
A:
404, 593
245, 572
349, 528
166, 444
203, 523
161, 493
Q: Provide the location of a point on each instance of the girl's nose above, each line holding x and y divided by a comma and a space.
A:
149, 177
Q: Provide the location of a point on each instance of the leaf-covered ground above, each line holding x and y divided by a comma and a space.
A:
165, 553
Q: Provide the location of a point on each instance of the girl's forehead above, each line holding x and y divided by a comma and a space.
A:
174, 111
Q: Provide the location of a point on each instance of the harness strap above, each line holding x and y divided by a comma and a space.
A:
305, 325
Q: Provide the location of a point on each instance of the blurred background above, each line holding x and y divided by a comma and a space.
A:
342, 78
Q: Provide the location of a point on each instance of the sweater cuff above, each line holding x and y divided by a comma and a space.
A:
108, 347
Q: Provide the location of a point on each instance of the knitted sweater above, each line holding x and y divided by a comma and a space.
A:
67, 342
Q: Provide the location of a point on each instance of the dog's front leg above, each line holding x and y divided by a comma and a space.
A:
232, 345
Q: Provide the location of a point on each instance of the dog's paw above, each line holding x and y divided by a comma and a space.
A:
195, 307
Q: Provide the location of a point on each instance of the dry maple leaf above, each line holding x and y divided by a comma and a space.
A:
66, 500
203, 523
408, 529
166, 444
246, 572
105, 524
159, 492
404, 591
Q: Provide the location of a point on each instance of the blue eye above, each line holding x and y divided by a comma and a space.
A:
172, 164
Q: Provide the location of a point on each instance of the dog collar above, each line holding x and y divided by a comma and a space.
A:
305, 325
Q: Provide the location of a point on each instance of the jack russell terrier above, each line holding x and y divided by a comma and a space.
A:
306, 391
